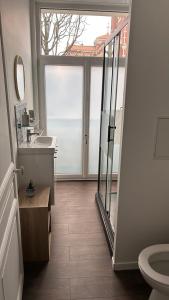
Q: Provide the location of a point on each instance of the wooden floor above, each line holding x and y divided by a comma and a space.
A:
80, 264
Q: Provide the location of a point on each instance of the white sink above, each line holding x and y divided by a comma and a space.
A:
43, 141
40, 144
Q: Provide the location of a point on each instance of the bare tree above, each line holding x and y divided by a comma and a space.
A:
59, 32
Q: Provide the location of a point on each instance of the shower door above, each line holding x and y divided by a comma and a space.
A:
108, 112
107, 131
105, 116
112, 125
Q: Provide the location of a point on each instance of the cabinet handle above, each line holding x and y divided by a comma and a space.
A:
55, 157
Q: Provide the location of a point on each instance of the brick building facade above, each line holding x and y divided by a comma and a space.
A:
97, 49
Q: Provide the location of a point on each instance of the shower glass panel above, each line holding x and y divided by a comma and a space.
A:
64, 105
112, 198
112, 124
105, 113
115, 55
119, 113
108, 124
94, 123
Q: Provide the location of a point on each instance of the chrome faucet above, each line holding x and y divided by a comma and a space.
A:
29, 134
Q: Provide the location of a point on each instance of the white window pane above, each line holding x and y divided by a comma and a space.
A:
94, 126
64, 95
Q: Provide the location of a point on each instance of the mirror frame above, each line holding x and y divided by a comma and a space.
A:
16, 62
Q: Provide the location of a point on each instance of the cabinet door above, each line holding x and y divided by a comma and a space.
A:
11, 273
11, 267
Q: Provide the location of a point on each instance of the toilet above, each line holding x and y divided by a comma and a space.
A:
153, 262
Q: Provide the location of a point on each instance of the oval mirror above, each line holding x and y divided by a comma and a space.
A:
19, 77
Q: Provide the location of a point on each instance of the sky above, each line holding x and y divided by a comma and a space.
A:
97, 25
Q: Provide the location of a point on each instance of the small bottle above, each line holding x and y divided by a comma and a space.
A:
25, 119
30, 190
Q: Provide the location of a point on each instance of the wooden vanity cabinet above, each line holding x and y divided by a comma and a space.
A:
35, 218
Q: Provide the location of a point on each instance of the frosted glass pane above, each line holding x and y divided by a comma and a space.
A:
64, 95
94, 126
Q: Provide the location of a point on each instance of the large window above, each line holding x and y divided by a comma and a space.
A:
70, 50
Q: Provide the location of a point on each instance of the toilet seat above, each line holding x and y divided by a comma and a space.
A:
144, 263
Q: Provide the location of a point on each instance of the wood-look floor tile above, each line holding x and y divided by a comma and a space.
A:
101, 288
92, 288
75, 211
130, 297
131, 281
90, 269
66, 207
60, 254
68, 218
48, 276
80, 253
45, 284
81, 228
87, 268
80, 265
60, 228
69, 240
45, 295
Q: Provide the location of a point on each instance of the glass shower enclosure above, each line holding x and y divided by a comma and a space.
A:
106, 196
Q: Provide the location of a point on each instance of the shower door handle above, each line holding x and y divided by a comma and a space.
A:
109, 133
86, 139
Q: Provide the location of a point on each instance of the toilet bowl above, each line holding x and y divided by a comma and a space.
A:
154, 266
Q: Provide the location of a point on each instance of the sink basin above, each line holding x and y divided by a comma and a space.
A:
40, 144
43, 141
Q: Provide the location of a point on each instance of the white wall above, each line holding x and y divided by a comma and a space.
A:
143, 208
16, 36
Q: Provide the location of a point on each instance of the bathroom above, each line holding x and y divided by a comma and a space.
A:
81, 266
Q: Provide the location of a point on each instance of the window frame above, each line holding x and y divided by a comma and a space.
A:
39, 61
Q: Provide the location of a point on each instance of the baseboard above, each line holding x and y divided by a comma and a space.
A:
80, 178
122, 266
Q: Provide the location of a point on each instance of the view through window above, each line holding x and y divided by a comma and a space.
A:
71, 34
